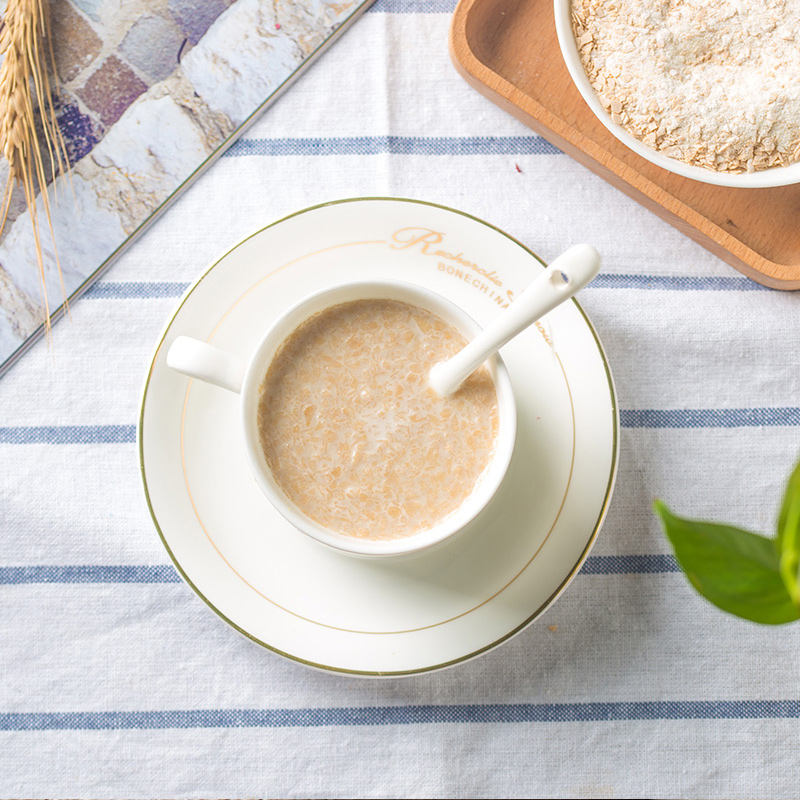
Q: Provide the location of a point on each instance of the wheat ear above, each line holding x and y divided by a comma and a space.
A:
25, 99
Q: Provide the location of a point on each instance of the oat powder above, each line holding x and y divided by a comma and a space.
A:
713, 83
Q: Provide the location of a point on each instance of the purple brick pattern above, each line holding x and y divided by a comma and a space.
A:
111, 89
80, 131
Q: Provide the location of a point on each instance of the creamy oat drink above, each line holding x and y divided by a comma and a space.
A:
354, 435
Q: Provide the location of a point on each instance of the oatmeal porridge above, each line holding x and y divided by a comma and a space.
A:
353, 434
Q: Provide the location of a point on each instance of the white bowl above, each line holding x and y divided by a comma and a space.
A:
775, 176
489, 482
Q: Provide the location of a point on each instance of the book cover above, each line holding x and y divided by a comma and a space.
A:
150, 93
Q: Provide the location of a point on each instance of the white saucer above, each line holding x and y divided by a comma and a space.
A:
388, 616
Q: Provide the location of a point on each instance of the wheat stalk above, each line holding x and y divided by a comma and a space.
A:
26, 102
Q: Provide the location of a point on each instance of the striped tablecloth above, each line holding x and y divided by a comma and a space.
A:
116, 681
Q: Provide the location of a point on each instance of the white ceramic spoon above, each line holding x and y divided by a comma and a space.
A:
569, 273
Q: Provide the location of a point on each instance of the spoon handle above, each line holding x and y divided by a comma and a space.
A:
565, 276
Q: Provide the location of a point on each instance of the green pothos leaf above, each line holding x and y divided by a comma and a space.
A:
737, 570
788, 539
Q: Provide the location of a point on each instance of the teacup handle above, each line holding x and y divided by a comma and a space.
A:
206, 363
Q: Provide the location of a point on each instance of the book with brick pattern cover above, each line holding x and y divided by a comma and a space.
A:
150, 94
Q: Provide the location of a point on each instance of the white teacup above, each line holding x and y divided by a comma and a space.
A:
213, 365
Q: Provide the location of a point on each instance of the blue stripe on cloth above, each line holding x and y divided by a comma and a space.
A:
413, 6
146, 290
401, 715
68, 434
89, 573
396, 145
629, 418
709, 417
633, 564
166, 573
135, 290
677, 283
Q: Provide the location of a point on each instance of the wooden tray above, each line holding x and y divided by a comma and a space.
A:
507, 50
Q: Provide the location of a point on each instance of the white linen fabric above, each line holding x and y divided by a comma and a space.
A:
117, 681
